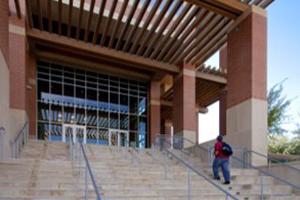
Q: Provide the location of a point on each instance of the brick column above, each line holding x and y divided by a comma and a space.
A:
155, 118
184, 103
31, 88
4, 28
5, 149
223, 98
17, 70
246, 94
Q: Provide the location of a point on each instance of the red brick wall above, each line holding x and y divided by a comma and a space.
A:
223, 98
4, 28
247, 60
155, 117
184, 103
17, 70
31, 91
17, 63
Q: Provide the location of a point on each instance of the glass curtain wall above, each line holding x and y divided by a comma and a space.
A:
98, 102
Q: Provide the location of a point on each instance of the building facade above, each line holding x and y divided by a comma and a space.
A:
121, 72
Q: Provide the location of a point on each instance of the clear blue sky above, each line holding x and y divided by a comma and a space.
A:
283, 62
284, 51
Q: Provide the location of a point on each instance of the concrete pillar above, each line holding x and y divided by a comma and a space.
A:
246, 78
184, 103
155, 117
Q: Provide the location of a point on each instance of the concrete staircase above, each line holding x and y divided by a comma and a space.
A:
46, 172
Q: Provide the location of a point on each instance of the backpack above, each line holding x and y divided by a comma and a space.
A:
227, 150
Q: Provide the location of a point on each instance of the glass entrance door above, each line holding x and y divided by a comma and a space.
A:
118, 137
78, 133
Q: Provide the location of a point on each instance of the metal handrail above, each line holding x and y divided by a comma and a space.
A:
20, 140
244, 163
272, 159
190, 167
267, 173
88, 169
90, 173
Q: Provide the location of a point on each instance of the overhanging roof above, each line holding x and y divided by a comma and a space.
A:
165, 31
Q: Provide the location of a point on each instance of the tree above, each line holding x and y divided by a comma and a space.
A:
297, 130
277, 107
277, 144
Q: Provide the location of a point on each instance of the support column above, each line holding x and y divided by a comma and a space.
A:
184, 103
17, 69
155, 118
223, 97
4, 82
246, 96
31, 98
4, 9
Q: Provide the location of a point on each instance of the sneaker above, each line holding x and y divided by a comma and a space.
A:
226, 183
217, 178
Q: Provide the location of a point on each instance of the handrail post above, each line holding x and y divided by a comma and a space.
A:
86, 183
261, 187
189, 183
166, 169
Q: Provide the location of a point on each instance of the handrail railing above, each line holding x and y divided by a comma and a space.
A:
88, 169
248, 164
277, 162
190, 167
20, 140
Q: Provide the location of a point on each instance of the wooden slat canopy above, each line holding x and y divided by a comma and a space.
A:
166, 31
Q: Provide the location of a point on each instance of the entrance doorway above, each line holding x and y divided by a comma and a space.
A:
118, 137
78, 133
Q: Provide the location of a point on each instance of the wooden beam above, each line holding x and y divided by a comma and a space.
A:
80, 18
102, 52
184, 12
154, 26
116, 27
145, 26
185, 34
100, 16
92, 65
136, 25
70, 17
49, 10
227, 8
209, 43
163, 27
107, 24
91, 13
191, 40
129, 18
187, 48
40, 17
206, 37
59, 16
18, 9
211, 51
265, 3
178, 30
210, 77
29, 13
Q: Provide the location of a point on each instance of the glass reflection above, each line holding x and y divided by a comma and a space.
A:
97, 102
